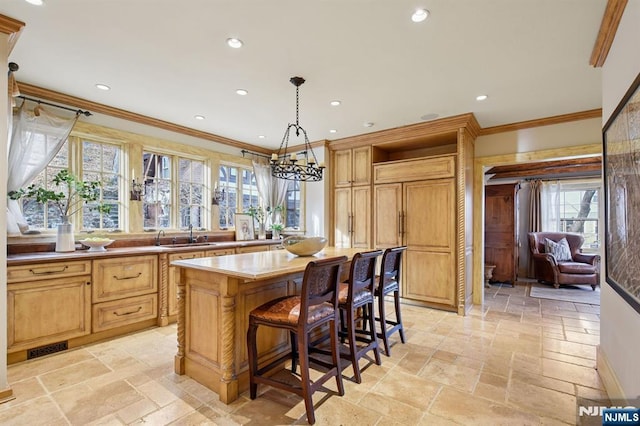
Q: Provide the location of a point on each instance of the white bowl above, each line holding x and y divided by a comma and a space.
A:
304, 246
96, 245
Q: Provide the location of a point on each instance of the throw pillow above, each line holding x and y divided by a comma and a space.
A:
560, 250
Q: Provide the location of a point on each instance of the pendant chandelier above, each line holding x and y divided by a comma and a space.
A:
288, 165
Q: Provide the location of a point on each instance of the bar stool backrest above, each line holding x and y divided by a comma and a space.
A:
320, 286
390, 270
362, 274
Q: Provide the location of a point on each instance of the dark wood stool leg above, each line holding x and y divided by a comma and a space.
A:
253, 359
396, 301
383, 325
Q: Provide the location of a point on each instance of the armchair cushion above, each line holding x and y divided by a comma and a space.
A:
560, 250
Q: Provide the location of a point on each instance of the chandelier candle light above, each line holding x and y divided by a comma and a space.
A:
287, 165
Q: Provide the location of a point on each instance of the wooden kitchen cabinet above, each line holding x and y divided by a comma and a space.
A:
125, 291
174, 278
501, 231
420, 215
352, 197
352, 167
252, 249
47, 303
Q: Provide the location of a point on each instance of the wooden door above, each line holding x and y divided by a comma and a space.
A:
342, 168
361, 166
500, 233
361, 217
387, 213
429, 234
342, 217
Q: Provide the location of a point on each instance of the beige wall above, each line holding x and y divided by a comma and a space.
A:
620, 324
583, 132
4, 113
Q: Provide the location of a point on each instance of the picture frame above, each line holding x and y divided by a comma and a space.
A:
244, 227
621, 164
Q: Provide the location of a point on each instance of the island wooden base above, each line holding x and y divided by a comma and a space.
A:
212, 325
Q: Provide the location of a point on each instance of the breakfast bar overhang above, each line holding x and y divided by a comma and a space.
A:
215, 297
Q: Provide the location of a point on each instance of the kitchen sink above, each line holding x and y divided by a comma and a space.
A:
189, 244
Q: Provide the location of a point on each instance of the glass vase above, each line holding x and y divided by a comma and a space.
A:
262, 231
65, 241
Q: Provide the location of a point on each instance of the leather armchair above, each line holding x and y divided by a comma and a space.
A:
581, 269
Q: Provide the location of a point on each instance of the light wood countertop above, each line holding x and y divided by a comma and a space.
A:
262, 265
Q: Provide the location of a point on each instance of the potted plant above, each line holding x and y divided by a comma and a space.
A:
258, 214
68, 195
276, 228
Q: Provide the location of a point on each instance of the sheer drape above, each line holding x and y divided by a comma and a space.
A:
273, 191
549, 206
36, 137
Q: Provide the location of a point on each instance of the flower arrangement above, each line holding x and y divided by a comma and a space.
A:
68, 196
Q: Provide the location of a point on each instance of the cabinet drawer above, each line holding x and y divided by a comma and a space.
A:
117, 278
184, 256
219, 252
251, 249
40, 271
124, 312
411, 170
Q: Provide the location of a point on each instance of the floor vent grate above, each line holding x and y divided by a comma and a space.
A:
47, 349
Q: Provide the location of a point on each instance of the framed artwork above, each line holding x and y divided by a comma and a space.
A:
621, 161
244, 227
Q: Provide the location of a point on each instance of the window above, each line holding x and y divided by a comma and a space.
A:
101, 163
160, 208
231, 186
573, 207
292, 209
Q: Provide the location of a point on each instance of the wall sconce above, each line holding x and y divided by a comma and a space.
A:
137, 190
218, 195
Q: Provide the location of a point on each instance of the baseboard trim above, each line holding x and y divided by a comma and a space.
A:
608, 376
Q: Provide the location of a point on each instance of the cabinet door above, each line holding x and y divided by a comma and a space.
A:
429, 233
342, 217
387, 212
174, 278
342, 168
361, 217
500, 230
47, 311
361, 166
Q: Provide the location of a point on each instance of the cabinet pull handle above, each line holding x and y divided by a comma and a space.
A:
350, 224
187, 257
127, 313
57, 271
127, 278
399, 223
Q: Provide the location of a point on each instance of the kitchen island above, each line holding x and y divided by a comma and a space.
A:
216, 295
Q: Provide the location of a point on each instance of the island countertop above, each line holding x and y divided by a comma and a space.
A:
261, 265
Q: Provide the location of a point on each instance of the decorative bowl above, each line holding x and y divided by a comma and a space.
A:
97, 244
304, 246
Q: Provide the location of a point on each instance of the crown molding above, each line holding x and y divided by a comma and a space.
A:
557, 119
13, 28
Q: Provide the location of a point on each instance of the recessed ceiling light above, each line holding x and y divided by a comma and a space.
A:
429, 116
420, 15
199, 117
481, 97
103, 86
35, 2
236, 43
335, 103
333, 131
260, 136
367, 124
241, 92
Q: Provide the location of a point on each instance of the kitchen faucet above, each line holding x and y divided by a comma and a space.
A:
158, 237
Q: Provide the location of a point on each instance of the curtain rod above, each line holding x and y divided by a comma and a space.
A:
39, 101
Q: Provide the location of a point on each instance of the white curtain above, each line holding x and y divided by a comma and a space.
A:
36, 137
273, 191
550, 206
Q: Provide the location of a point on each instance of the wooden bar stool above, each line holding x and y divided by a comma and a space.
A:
388, 282
356, 295
316, 306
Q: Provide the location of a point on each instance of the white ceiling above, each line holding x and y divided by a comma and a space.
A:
168, 59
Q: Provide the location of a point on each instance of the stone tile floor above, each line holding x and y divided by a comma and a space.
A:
515, 361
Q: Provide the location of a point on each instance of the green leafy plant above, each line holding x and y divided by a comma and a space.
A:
68, 195
257, 213
277, 227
